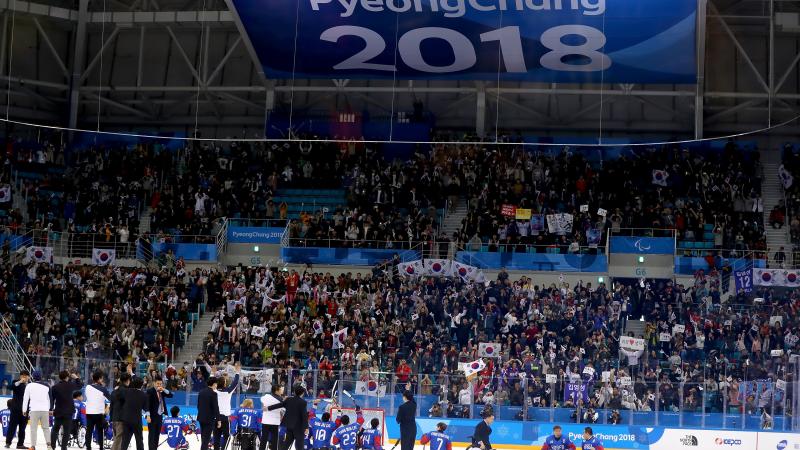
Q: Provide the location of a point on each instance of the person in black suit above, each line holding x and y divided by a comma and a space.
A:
115, 410
295, 419
63, 406
17, 421
480, 437
407, 419
208, 412
157, 409
134, 401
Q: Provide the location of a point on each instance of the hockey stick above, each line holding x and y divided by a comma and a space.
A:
347, 394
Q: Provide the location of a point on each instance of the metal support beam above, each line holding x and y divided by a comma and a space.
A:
97, 57
78, 56
771, 56
733, 110
122, 106
742, 51
185, 57
701, 68
480, 111
51, 47
3, 40
223, 61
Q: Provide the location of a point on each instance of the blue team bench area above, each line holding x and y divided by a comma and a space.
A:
512, 416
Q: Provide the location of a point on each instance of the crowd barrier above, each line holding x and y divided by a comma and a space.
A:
344, 256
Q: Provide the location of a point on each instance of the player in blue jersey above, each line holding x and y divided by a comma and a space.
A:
79, 416
175, 427
5, 417
372, 437
590, 442
246, 425
438, 439
558, 441
246, 417
346, 436
321, 431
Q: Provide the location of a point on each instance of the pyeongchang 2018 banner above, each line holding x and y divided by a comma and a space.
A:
567, 41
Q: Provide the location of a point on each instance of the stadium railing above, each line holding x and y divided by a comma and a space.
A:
729, 400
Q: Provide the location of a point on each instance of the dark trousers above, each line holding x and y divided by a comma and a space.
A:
58, 424
294, 436
205, 434
131, 430
95, 421
153, 431
269, 433
222, 433
407, 437
17, 423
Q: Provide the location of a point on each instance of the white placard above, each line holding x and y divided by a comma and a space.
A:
551, 378
678, 329
625, 381
775, 319
664, 337
632, 343
605, 376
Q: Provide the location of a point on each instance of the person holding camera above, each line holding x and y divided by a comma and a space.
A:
615, 418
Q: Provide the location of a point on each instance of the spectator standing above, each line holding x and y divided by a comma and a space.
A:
224, 397
207, 412
62, 394
96, 396
157, 407
36, 405
17, 420
117, 398
271, 418
134, 402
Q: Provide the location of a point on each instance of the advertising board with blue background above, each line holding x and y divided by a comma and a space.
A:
642, 245
255, 235
567, 41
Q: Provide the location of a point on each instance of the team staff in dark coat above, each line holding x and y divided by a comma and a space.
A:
17, 422
407, 419
115, 410
480, 437
208, 411
134, 402
157, 409
63, 406
295, 419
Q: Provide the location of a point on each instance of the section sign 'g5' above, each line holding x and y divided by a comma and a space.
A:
633, 41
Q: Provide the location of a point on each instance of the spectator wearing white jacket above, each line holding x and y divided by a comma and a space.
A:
36, 406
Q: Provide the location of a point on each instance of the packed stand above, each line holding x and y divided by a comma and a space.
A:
131, 315
789, 174
413, 333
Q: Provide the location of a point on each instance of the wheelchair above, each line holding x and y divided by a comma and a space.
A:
246, 439
75, 439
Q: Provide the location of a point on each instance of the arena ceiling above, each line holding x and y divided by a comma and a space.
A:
151, 65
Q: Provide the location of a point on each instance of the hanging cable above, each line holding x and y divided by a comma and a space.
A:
11, 56
100, 74
497, 103
602, 85
294, 66
394, 73
200, 77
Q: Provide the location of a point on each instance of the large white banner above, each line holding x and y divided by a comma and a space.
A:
489, 349
632, 343
410, 269
436, 267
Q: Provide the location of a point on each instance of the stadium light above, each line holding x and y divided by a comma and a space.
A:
600, 279
255, 248
641, 259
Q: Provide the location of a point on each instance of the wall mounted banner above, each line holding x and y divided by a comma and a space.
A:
642, 245
565, 41
255, 235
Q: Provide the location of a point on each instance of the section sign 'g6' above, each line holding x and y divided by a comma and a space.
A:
642, 41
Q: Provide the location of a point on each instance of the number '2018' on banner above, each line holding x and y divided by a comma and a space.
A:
533, 40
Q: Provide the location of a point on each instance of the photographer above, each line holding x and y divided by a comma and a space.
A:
615, 418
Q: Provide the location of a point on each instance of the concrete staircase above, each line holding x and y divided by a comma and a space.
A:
635, 326
772, 194
194, 344
452, 222
144, 221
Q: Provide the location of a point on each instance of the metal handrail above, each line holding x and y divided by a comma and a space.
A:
9, 343
406, 244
